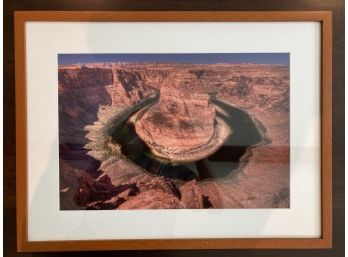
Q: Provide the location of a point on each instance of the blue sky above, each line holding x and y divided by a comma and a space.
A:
197, 58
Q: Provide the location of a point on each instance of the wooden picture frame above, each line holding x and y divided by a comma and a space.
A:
324, 17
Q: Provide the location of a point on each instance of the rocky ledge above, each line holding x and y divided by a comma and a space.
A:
158, 193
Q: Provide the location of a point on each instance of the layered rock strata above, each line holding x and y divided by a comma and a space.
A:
183, 125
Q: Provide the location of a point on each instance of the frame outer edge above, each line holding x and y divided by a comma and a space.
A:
23, 245
21, 132
326, 133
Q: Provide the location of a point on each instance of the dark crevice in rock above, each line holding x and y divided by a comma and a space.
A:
206, 202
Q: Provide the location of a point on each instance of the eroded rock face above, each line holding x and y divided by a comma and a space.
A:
131, 85
191, 195
100, 190
158, 193
183, 119
160, 183
152, 199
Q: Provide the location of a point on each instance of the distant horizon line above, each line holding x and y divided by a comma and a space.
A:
184, 58
146, 62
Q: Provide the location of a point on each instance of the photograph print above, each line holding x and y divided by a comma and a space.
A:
174, 131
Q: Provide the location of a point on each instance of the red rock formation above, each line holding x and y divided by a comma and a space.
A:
102, 189
183, 119
191, 195
152, 199
160, 183
128, 87
158, 193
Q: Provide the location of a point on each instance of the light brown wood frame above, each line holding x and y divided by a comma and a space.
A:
325, 241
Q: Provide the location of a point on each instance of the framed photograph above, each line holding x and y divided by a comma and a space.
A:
173, 130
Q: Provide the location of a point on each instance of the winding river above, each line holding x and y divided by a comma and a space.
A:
247, 131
